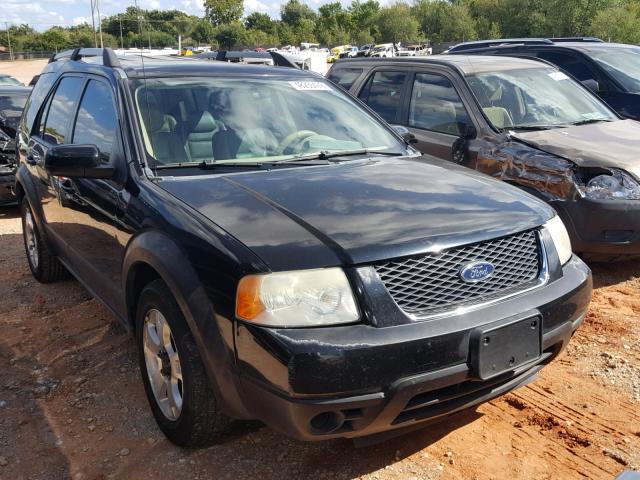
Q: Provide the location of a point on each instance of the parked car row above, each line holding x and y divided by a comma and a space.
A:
523, 121
282, 253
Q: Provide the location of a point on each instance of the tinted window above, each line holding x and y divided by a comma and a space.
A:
97, 122
435, 105
61, 110
383, 93
570, 64
36, 98
344, 77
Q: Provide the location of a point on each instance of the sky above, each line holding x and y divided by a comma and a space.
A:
42, 14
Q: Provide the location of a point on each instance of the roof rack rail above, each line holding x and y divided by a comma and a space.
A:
499, 42
577, 39
109, 58
278, 59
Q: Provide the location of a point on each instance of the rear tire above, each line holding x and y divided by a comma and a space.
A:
173, 374
44, 265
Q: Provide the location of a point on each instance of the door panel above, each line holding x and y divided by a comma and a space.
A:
92, 228
52, 130
436, 114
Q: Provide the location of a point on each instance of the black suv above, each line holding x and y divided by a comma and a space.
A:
611, 70
283, 255
523, 121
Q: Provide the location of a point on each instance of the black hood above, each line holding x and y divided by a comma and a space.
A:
359, 211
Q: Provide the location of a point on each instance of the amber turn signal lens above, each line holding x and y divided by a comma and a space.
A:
248, 303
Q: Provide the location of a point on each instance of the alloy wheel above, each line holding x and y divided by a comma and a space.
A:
31, 240
163, 364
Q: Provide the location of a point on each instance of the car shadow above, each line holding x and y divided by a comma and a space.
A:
607, 274
9, 212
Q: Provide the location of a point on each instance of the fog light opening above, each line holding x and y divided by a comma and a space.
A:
326, 422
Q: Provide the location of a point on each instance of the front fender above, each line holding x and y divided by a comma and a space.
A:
213, 333
24, 183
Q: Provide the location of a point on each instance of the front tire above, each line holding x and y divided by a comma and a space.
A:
173, 374
44, 265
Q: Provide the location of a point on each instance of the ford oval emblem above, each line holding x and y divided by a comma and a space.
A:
476, 272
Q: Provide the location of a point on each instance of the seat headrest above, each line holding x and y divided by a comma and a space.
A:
499, 116
205, 123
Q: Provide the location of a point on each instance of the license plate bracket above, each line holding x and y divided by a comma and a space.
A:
498, 348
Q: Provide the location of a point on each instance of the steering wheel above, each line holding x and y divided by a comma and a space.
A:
295, 138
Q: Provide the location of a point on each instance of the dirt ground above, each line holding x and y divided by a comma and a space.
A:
23, 70
72, 404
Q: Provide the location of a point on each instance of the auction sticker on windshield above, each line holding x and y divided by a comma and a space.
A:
301, 85
558, 76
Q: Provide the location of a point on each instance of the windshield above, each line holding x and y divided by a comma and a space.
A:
535, 97
623, 64
252, 120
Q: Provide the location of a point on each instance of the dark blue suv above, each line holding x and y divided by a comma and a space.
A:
280, 253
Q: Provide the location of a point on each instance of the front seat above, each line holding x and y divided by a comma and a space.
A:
199, 137
161, 129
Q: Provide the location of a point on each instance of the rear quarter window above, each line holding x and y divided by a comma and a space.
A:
344, 77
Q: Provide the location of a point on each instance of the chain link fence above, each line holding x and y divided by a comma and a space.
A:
4, 56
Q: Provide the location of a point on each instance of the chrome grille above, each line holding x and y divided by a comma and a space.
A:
431, 283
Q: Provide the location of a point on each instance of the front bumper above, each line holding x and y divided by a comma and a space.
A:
359, 380
606, 228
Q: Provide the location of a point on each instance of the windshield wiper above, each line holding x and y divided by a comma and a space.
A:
590, 120
532, 127
326, 155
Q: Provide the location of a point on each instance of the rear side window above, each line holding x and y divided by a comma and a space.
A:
61, 109
383, 93
38, 94
435, 105
344, 77
96, 123
570, 64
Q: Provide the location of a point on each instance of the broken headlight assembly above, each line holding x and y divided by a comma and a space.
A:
611, 184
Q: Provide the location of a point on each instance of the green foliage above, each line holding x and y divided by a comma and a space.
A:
231, 35
333, 24
619, 23
223, 12
396, 24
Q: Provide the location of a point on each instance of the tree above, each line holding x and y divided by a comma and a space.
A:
293, 12
363, 20
230, 35
618, 24
260, 21
223, 12
56, 38
203, 32
396, 24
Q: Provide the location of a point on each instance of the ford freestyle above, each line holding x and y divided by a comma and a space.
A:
281, 254
522, 121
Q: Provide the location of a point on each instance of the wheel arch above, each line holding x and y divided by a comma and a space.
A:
152, 255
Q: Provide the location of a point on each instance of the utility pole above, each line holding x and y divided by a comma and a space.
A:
6, 24
93, 24
121, 41
99, 23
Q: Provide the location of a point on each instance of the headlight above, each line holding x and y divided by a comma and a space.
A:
560, 238
306, 298
618, 185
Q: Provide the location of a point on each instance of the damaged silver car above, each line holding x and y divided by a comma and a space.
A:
522, 121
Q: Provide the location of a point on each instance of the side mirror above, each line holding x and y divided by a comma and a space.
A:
82, 161
591, 84
404, 132
467, 130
